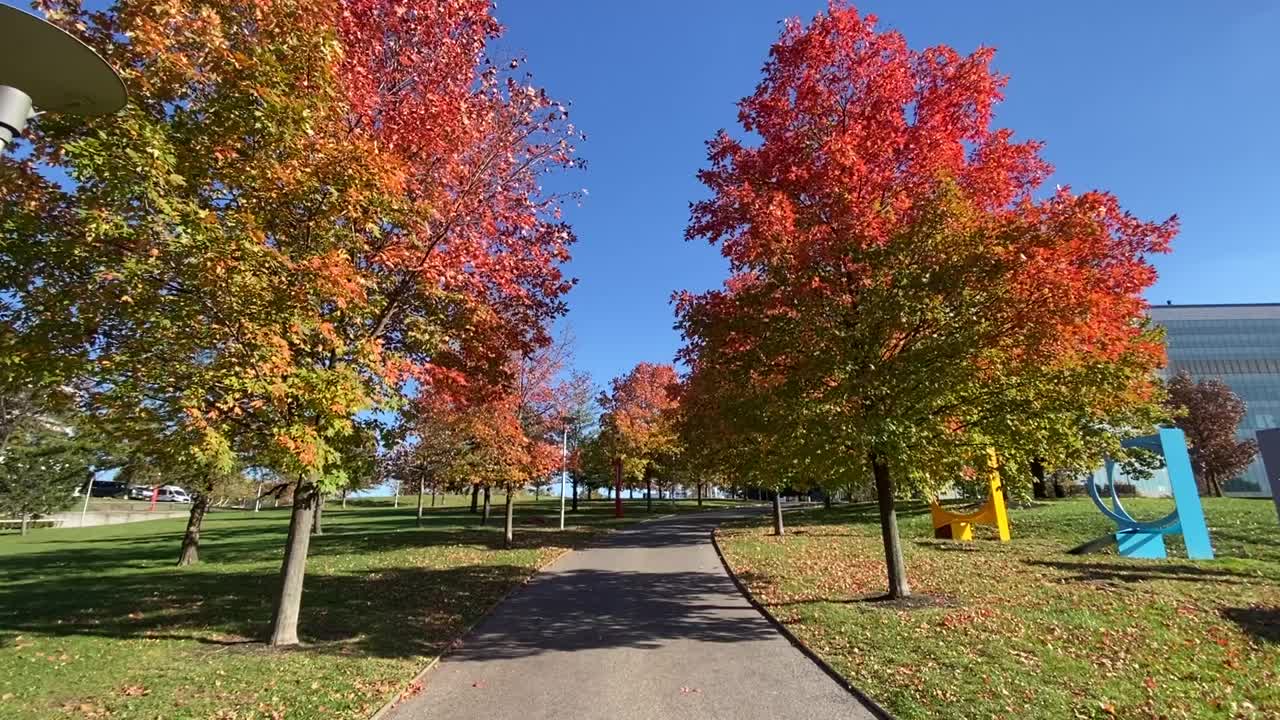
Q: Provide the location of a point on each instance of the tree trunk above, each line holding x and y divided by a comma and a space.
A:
344, 498
511, 516
699, 494
284, 625
648, 494
26, 521
433, 496
575, 494
826, 499
475, 497
537, 493
617, 490
396, 503
1039, 489
317, 528
190, 553
898, 587
422, 487
257, 497
484, 516
777, 514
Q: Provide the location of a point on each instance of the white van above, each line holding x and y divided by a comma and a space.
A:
173, 493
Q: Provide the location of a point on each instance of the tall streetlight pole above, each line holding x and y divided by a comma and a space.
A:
45, 69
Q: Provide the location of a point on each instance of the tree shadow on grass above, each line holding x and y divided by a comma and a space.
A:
242, 542
1139, 572
398, 612
127, 587
1261, 623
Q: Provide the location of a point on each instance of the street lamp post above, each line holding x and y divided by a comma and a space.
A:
45, 69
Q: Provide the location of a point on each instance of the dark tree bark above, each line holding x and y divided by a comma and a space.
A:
1039, 488
826, 499
484, 516
617, 484
190, 553
317, 527
898, 587
777, 514
575, 494
475, 497
510, 522
344, 498
422, 488
1214, 487
433, 496
1059, 490
648, 494
284, 624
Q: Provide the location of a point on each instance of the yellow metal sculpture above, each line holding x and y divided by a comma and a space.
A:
955, 526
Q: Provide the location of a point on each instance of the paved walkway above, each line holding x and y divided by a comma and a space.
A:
648, 625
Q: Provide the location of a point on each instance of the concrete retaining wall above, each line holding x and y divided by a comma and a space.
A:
94, 518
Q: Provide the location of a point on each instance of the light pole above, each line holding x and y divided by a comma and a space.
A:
44, 68
564, 467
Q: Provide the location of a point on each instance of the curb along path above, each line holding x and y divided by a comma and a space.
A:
646, 624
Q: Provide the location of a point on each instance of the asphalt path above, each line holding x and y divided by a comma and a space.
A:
645, 625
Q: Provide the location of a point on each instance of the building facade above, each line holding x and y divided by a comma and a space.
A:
1240, 344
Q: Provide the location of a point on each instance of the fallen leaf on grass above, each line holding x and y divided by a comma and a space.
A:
414, 688
134, 691
88, 710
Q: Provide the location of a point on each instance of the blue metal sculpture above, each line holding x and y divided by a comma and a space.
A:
1135, 538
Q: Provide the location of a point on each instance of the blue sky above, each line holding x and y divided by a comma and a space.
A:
1173, 106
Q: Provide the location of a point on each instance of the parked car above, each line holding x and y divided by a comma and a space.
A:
173, 493
108, 488
141, 492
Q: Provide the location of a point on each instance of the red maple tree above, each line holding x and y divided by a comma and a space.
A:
901, 293
638, 423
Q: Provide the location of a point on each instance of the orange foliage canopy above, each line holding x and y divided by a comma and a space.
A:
899, 277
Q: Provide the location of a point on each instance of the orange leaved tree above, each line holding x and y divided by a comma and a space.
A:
638, 425
902, 298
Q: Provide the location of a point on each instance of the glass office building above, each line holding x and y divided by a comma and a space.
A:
1241, 345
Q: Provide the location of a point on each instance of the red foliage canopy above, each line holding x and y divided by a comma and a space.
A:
857, 134
467, 143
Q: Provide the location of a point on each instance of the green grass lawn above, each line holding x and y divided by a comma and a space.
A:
99, 623
1024, 630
